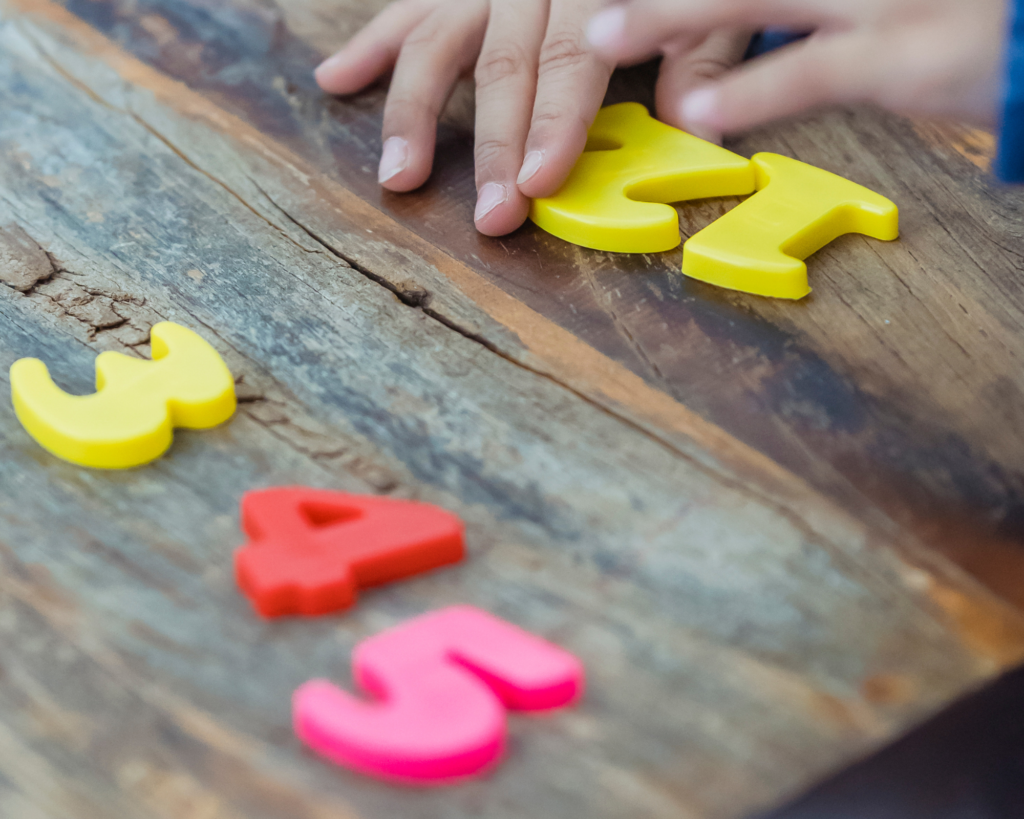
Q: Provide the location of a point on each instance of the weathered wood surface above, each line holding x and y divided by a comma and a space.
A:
896, 386
725, 506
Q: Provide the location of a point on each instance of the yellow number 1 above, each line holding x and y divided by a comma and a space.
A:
759, 246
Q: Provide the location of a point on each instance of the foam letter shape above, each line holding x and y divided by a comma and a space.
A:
442, 683
130, 418
613, 199
759, 246
310, 549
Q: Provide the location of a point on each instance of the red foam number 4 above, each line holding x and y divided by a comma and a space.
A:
310, 550
442, 683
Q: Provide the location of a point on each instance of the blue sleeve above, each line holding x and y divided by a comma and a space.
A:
770, 40
1010, 161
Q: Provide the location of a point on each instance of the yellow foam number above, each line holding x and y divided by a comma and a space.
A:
760, 245
130, 418
615, 197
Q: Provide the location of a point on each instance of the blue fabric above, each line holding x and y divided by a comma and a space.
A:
1010, 161
769, 40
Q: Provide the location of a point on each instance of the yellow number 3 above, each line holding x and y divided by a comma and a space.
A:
617, 196
130, 418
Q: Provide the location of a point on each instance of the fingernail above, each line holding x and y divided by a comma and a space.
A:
605, 28
393, 159
491, 195
531, 164
328, 64
699, 107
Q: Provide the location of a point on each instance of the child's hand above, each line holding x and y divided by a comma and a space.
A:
918, 57
538, 89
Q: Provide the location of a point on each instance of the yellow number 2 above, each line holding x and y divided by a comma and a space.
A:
616, 197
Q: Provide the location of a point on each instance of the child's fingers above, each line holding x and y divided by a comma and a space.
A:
506, 80
822, 70
571, 84
373, 51
433, 56
626, 31
685, 69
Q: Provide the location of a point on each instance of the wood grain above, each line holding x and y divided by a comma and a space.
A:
894, 388
747, 627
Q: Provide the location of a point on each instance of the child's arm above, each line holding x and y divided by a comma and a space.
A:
919, 57
538, 89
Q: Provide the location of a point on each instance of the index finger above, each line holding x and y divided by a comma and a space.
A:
571, 85
506, 79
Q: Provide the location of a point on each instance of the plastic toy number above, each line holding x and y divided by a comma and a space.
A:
613, 198
130, 418
759, 245
311, 549
441, 684
610, 202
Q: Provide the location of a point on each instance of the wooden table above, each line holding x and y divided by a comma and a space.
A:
777, 534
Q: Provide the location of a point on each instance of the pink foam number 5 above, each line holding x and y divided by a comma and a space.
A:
442, 683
